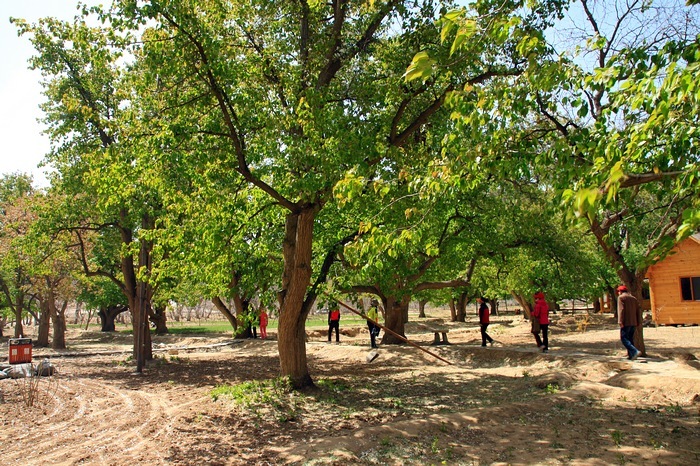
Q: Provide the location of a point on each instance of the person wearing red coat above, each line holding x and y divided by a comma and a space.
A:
541, 314
334, 323
484, 321
263, 323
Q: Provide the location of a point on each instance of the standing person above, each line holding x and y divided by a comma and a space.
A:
628, 318
252, 333
372, 317
484, 321
540, 316
251, 321
263, 323
334, 323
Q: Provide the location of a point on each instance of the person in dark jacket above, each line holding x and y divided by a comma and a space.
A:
628, 316
484, 321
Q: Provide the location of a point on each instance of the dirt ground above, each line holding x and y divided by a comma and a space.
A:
583, 403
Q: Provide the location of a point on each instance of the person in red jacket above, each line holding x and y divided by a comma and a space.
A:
334, 323
263, 323
541, 314
484, 321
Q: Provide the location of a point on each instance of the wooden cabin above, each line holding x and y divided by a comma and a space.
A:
674, 285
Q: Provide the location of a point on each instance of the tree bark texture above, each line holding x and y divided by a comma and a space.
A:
296, 278
159, 318
421, 308
395, 311
226, 312
42, 340
58, 315
462, 308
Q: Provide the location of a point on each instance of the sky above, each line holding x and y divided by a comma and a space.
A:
22, 146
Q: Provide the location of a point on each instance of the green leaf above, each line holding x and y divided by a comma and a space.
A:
421, 67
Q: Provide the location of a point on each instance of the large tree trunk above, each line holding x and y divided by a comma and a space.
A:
42, 339
138, 292
296, 278
494, 307
223, 308
395, 311
462, 308
453, 310
524, 303
421, 308
242, 307
77, 316
59, 322
18, 308
108, 317
159, 318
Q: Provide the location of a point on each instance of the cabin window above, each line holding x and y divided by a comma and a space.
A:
690, 288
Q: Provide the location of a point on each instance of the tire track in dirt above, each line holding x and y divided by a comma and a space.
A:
99, 424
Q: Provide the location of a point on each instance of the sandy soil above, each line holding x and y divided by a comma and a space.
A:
582, 403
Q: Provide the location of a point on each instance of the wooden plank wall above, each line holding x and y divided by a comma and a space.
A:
665, 287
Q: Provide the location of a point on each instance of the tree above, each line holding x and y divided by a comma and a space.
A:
611, 129
89, 116
633, 182
15, 218
291, 96
52, 272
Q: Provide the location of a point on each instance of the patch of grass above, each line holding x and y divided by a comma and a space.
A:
255, 392
347, 318
435, 445
332, 385
396, 403
210, 327
655, 444
551, 388
673, 409
617, 437
272, 398
125, 362
348, 413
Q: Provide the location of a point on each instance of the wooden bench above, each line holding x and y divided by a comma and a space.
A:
436, 327
438, 331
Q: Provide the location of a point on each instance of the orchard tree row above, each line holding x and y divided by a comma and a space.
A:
292, 152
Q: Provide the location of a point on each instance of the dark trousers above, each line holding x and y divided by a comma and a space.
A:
485, 336
334, 324
373, 332
627, 338
544, 341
